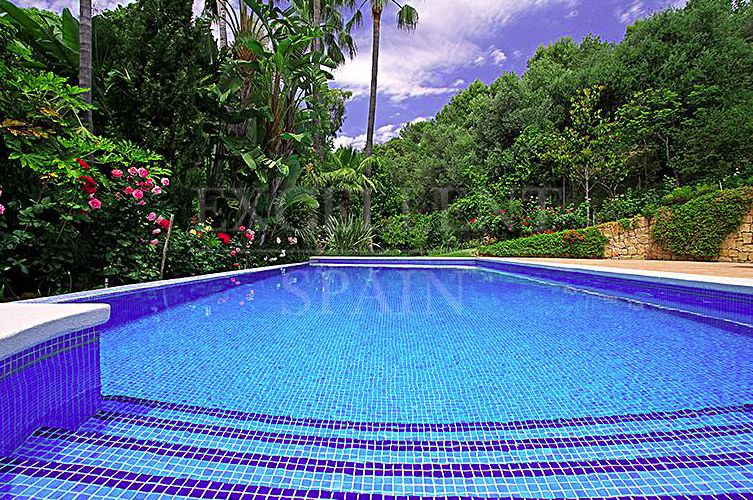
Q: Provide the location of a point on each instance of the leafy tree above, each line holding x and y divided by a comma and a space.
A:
586, 148
652, 120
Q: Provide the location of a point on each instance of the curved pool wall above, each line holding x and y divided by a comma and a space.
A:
56, 381
49, 368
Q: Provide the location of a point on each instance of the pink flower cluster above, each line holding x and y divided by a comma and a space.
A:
140, 183
2, 207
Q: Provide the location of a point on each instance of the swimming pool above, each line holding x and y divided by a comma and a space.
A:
404, 379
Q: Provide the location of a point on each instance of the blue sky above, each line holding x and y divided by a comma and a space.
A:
456, 42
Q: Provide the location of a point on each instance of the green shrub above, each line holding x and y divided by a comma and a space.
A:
417, 233
577, 243
698, 228
684, 194
346, 235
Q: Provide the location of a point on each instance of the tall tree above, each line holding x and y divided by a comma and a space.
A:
85, 55
407, 18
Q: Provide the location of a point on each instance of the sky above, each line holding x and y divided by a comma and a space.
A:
455, 43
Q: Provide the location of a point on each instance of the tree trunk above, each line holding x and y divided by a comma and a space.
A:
377, 18
316, 20
345, 208
318, 46
222, 23
85, 56
588, 199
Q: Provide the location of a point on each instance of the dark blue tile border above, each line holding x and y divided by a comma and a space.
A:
201, 488
445, 445
392, 469
431, 427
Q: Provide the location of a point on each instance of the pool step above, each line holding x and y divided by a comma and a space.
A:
448, 448
92, 451
198, 451
526, 428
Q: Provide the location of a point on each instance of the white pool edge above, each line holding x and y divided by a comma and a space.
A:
740, 285
27, 325
116, 290
743, 285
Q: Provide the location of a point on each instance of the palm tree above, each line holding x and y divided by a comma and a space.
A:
407, 18
344, 172
336, 40
85, 55
217, 11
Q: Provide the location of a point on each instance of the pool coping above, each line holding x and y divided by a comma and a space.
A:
724, 283
27, 325
116, 290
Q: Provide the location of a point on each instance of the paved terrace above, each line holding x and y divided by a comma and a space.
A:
726, 269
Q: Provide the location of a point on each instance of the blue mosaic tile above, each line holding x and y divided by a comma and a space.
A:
407, 383
56, 383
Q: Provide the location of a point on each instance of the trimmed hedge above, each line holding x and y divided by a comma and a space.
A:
586, 243
698, 228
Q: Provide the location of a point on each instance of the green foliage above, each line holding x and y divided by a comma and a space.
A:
605, 124
347, 235
578, 243
684, 194
67, 223
54, 39
417, 232
698, 228
152, 63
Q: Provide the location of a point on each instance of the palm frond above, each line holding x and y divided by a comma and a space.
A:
407, 18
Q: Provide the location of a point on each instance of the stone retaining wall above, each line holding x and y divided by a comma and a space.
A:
633, 241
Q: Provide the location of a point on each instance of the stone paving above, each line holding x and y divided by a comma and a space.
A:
726, 269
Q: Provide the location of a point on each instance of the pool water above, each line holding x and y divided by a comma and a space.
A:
333, 381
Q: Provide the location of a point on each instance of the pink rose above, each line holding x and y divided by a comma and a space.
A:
143, 172
117, 174
138, 194
165, 181
156, 231
142, 202
151, 216
232, 253
132, 170
95, 203
128, 190
242, 228
2, 209
156, 190
154, 242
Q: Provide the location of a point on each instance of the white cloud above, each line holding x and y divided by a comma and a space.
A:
629, 14
449, 36
381, 134
498, 57
97, 5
